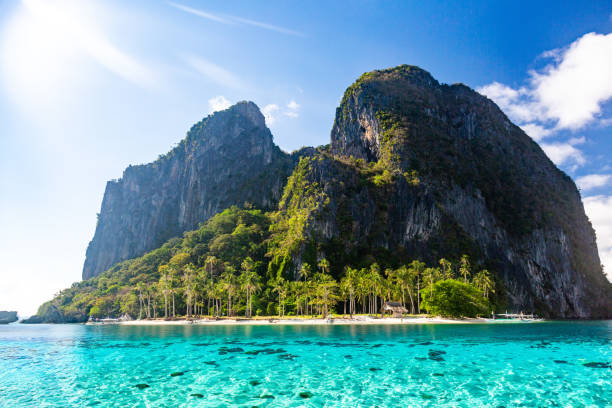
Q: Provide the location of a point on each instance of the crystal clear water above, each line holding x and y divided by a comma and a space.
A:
549, 364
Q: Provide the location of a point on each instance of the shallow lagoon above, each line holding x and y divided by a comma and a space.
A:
495, 365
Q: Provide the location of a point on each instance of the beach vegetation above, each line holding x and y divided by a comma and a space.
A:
232, 266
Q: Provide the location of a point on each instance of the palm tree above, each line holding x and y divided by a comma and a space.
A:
140, 287
362, 285
464, 268
430, 275
250, 283
417, 268
164, 286
217, 295
375, 280
404, 277
304, 271
173, 284
149, 292
228, 278
484, 282
325, 292
344, 293
447, 269
279, 285
297, 288
324, 265
189, 287
154, 289
211, 262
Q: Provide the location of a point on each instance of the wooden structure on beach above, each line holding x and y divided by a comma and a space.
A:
395, 307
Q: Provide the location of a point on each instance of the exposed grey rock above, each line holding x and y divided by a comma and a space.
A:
7, 317
227, 159
486, 188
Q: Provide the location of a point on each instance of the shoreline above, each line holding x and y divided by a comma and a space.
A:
359, 320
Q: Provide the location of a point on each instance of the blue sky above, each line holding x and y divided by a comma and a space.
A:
89, 87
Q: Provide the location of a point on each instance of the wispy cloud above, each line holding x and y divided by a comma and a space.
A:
292, 109
213, 71
592, 181
270, 112
200, 13
564, 153
218, 103
232, 20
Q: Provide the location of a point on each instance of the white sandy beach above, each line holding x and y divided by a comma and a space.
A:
357, 320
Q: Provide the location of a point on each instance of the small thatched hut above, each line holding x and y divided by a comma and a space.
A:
395, 307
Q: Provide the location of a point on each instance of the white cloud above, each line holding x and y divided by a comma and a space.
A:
572, 91
567, 93
227, 19
213, 72
293, 108
599, 210
563, 153
270, 112
577, 141
592, 181
512, 101
273, 112
536, 132
218, 103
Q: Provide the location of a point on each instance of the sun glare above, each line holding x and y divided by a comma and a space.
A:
47, 46
39, 55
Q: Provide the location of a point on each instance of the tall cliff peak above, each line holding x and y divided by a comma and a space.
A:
416, 169
228, 158
452, 173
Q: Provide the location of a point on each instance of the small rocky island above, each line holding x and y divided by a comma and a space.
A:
7, 317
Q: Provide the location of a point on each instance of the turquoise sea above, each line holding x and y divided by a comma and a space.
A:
548, 364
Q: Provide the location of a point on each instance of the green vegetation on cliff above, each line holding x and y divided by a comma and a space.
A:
416, 171
230, 266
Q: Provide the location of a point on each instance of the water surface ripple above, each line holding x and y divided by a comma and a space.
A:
551, 364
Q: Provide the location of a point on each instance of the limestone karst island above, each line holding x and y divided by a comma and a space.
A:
432, 235
426, 193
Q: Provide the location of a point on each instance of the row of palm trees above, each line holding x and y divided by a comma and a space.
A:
218, 288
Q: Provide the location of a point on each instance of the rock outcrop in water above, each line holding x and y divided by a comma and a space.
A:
7, 317
227, 159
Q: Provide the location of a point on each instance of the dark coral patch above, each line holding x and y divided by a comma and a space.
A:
598, 365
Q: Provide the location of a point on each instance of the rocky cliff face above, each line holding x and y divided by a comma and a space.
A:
415, 170
227, 159
419, 169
